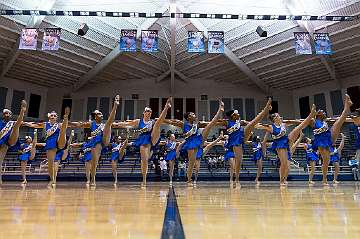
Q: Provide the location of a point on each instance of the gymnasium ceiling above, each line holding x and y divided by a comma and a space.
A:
248, 60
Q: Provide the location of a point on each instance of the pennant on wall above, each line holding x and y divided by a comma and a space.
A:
128, 40
51, 39
302, 43
216, 42
322, 44
196, 42
149, 41
28, 39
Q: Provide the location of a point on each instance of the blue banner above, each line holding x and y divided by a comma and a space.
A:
128, 40
322, 44
28, 39
215, 42
51, 39
196, 42
302, 43
149, 41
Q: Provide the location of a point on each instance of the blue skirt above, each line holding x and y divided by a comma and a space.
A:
334, 159
192, 142
170, 155
235, 139
59, 155
228, 155
312, 157
322, 140
51, 143
281, 143
25, 156
86, 157
257, 155
143, 139
98, 139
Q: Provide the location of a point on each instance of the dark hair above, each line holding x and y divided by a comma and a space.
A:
272, 117
254, 138
186, 115
229, 113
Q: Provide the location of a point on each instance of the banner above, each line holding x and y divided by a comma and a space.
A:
322, 44
216, 42
149, 41
51, 39
196, 42
128, 40
302, 43
28, 39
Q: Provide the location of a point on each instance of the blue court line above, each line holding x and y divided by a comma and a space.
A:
172, 227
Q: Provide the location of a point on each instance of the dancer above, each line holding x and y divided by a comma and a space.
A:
28, 150
324, 137
193, 138
149, 135
100, 135
55, 138
9, 132
172, 151
201, 153
259, 151
282, 142
62, 155
356, 120
85, 156
118, 150
239, 134
312, 158
335, 155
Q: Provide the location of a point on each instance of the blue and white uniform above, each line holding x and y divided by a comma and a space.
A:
96, 133
170, 150
310, 154
357, 134
193, 138
60, 153
25, 151
334, 155
200, 153
280, 139
52, 135
86, 149
257, 150
115, 152
235, 132
145, 129
5, 131
322, 135
229, 153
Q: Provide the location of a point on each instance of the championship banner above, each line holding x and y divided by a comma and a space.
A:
215, 42
196, 43
149, 41
128, 40
28, 39
322, 44
51, 39
302, 43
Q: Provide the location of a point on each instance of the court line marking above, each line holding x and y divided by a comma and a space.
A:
172, 226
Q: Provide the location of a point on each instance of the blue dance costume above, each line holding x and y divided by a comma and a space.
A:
52, 135
96, 134
229, 153
193, 138
5, 131
115, 152
25, 152
86, 149
235, 132
310, 154
257, 149
334, 155
60, 153
200, 153
145, 129
322, 135
280, 139
171, 151
357, 133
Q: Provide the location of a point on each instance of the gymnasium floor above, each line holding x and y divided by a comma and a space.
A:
211, 210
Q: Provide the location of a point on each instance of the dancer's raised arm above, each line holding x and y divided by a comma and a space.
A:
213, 122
